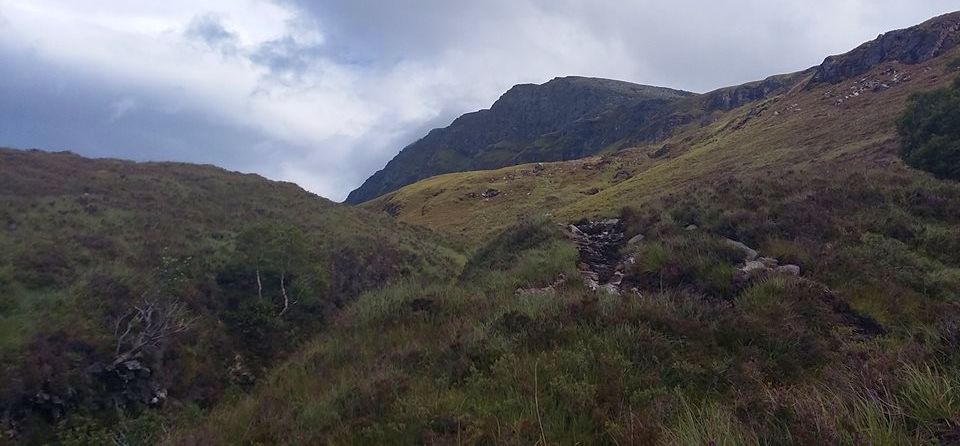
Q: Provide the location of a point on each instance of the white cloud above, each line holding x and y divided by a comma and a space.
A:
325, 92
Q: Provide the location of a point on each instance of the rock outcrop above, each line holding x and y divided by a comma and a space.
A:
574, 117
566, 114
599, 243
913, 45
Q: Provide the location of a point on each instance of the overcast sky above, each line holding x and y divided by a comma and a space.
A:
324, 92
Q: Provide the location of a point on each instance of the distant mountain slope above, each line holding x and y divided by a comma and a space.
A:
502, 135
789, 121
537, 123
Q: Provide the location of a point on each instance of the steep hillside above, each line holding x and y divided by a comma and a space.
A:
562, 111
131, 285
771, 273
795, 122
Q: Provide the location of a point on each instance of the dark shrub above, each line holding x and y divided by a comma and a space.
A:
930, 128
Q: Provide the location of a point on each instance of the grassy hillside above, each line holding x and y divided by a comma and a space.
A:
773, 273
84, 242
859, 345
804, 131
693, 360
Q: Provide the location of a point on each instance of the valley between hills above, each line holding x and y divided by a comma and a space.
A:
587, 262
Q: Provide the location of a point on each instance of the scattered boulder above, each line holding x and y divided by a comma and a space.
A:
769, 262
538, 168
547, 290
490, 193
392, 208
577, 233
692, 227
591, 191
753, 266
635, 240
621, 175
792, 270
661, 152
748, 252
611, 289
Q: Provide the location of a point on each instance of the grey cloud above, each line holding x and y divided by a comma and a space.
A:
689, 44
413, 66
50, 108
209, 29
286, 57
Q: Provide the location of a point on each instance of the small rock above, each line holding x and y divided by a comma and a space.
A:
792, 270
661, 151
610, 222
749, 253
617, 279
538, 168
591, 191
635, 240
576, 231
621, 175
133, 365
611, 289
692, 228
753, 265
769, 262
490, 193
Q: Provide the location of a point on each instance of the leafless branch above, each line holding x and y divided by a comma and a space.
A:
149, 324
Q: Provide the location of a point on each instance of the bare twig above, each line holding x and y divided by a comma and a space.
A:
283, 289
148, 324
259, 284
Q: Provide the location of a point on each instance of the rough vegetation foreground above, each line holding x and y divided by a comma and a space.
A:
773, 263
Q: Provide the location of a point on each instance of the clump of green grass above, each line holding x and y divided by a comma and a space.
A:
686, 259
928, 396
708, 424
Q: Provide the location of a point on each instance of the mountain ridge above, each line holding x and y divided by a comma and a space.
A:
627, 124
491, 138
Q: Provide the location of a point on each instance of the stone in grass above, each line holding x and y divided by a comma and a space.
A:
792, 270
748, 252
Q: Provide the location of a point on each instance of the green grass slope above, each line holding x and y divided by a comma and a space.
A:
861, 348
83, 242
804, 130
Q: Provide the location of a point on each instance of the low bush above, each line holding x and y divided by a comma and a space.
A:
930, 129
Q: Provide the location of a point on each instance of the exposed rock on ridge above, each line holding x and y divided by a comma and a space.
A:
910, 46
563, 111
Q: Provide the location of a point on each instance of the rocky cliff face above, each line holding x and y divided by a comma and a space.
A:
574, 117
505, 134
910, 46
